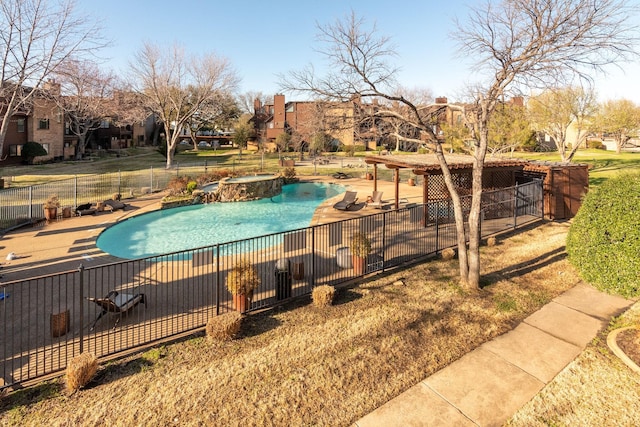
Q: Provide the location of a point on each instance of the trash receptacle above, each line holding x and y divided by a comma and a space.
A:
283, 279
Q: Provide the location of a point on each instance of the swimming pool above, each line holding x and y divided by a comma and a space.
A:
190, 227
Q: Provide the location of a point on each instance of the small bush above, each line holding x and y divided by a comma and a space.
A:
191, 185
323, 295
116, 196
177, 185
224, 327
491, 241
349, 150
359, 148
213, 176
289, 175
31, 150
80, 371
604, 239
595, 144
448, 254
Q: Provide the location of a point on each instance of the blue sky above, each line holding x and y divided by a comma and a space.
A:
264, 38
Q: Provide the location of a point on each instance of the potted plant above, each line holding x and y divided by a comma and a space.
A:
360, 249
241, 282
411, 181
51, 206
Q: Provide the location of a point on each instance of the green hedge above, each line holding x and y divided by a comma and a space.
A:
604, 238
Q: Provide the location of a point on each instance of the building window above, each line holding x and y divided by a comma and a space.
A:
290, 108
15, 150
43, 124
21, 125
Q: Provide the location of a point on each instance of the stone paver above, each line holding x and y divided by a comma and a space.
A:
534, 351
418, 406
576, 327
488, 385
481, 385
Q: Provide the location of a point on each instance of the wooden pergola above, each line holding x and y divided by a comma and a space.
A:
498, 173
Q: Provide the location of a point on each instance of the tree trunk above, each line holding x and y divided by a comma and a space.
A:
80, 146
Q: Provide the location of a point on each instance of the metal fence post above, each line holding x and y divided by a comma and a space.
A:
313, 257
515, 206
119, 182
75, 190
217, 280
437, 227
81, 274
31, 202
384, 239
151, 180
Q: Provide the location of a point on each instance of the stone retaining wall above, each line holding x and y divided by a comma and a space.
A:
234, 190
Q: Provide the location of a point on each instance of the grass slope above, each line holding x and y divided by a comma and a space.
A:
303, 365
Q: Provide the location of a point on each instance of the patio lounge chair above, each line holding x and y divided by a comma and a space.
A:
117, 303
114, 205
85, 209
341, 175
376, 200
350, 198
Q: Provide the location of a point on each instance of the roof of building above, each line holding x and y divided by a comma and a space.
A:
430, 163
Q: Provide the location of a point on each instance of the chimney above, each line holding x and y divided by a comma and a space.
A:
518, 101
441, 100
51, 86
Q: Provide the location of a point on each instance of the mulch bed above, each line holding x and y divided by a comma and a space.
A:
629, 342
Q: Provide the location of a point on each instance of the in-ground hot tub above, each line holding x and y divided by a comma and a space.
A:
244, 188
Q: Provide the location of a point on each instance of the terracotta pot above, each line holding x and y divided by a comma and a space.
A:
241, 303
359, 265
411, 182
369, 176
50, 213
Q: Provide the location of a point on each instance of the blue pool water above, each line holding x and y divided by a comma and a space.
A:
190, 227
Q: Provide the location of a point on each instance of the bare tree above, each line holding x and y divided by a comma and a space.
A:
517, 42
36, 37
86, 97
619, 118
175, 86
565, 115
246, 100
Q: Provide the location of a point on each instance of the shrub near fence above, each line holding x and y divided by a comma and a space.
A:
169, 295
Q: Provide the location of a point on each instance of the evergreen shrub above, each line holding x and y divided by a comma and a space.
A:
604, 239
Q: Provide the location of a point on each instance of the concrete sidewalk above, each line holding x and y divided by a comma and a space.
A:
488, 385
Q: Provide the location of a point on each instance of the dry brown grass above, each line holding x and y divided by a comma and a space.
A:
80, 371
596, 389
298, 365
322, 296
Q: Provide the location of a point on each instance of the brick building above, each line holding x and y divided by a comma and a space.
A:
40, 121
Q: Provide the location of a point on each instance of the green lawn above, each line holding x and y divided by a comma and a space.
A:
602, 164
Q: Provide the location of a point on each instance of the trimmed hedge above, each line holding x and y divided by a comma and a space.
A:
604, 239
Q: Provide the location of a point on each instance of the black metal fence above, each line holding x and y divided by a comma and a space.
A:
23, 205
45, 321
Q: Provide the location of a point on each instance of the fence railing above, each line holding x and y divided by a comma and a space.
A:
21, 206
46, 321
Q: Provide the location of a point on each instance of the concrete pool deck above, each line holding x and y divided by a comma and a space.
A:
64, 244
